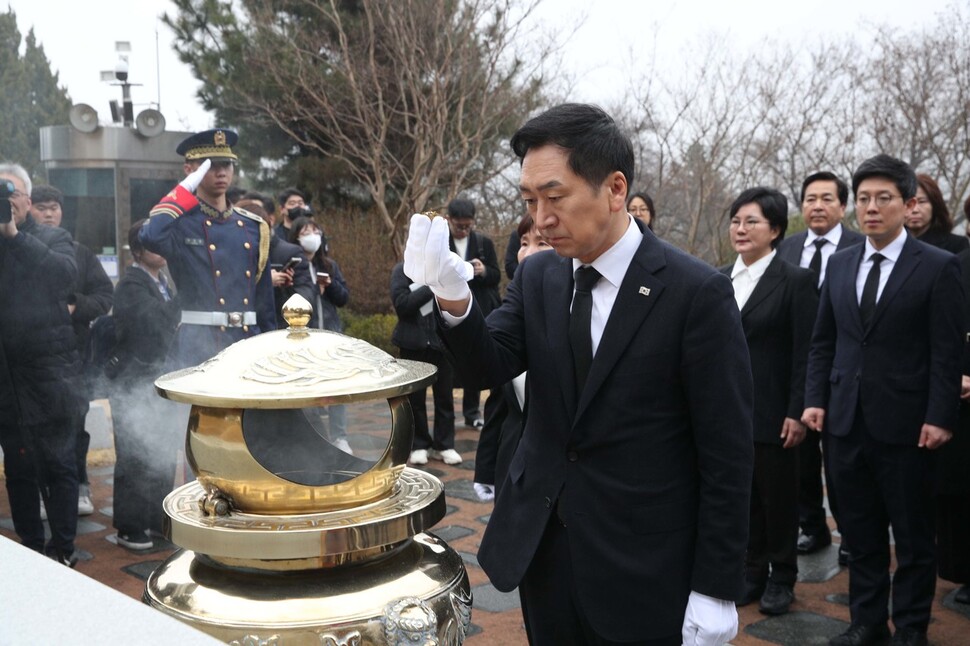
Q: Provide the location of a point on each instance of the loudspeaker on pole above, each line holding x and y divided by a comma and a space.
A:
150, 123
83, 117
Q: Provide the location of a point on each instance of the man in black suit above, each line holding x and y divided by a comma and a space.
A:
624, 514
824, 198
478, 250
778, 304
883, 383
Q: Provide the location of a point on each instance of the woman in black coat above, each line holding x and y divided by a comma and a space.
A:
778, 302
146, 440
930, 220
953, 492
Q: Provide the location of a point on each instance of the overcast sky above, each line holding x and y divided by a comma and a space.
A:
79, 39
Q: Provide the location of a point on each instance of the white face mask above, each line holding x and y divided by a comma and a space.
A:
310, 242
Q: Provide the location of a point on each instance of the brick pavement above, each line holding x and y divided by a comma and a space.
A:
820, 610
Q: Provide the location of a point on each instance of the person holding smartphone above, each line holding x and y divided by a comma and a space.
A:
331, 293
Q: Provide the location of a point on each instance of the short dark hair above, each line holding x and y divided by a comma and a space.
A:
895, 170
268, 204
290, 191
594, 141
940, 219
773, 204
234, 194
461, 208
525, 225
134, 242
41, 194
825, 176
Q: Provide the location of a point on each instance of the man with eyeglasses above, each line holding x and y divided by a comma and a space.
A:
883, 384
217, 254
39, 374
479, 250
824, 198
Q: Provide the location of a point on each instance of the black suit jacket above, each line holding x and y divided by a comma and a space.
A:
485, 287
650, 466
904, 370
777, 321
790, 249
499, 437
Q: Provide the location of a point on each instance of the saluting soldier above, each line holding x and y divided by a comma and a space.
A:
217, 253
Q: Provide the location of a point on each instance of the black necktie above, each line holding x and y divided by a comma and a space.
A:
579, 321
867, 306
816, 262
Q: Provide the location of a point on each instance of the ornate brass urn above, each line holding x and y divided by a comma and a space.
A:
286, 538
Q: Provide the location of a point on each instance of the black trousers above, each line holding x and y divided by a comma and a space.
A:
148, 433
773, 529
812, 461
953, 537
444, 403
879, 485
553, 616
51, 450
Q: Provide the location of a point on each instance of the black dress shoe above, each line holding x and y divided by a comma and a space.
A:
962, 595
777, 599
752, 592
909, 637
862, 635
843, 555
809, 544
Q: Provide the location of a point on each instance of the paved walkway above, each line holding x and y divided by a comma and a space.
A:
819, 612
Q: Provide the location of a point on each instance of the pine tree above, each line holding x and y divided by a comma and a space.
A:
30, 97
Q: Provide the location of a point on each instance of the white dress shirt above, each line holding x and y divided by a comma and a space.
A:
612, 265
891, 254
746, 277
834, 236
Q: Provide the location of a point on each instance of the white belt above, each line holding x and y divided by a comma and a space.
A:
225, 319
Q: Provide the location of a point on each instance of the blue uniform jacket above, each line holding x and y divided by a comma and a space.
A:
219, 263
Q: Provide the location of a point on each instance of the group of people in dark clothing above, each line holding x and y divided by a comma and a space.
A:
206, 272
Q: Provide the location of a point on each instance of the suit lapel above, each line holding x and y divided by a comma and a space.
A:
846, 287
792, 252
768, 283
909, 259
557, 291
638, 293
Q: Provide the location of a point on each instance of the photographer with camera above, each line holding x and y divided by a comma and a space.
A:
40, 368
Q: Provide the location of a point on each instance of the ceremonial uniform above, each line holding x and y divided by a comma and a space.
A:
218, 260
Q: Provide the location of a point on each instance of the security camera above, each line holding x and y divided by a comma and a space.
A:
121, 69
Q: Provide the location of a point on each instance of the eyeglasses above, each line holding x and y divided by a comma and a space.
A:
881, 200
465, 226
750, 223
18, 194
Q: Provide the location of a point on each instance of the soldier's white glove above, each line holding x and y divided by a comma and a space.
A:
192, 181
429, 261
485, 492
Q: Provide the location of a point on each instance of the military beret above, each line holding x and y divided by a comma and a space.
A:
212, 144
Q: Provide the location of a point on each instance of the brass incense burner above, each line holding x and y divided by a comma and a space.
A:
287, 538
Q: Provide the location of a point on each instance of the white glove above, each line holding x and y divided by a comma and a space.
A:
709, 621
484, 492
192, 181
428, 261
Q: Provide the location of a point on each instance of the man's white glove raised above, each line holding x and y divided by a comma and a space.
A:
429, 261
709, 621
485, 492
192, 181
